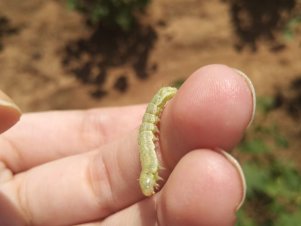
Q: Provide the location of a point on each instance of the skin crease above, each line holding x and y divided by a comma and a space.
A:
81, 159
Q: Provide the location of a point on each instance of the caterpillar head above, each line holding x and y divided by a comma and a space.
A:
148, 183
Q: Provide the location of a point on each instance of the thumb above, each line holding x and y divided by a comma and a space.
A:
9, 112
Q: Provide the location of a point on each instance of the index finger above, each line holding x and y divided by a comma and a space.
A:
9, 112
43, 137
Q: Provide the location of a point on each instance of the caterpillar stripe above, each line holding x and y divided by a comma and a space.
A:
148, 135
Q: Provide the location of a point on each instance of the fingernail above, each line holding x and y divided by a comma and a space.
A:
235, 163
251, 87
7, 102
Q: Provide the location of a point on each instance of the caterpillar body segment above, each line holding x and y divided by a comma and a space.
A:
148, 136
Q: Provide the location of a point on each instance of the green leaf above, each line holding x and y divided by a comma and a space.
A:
256, 146
71, 4
244, 220
256, 177
288, 175
289, 30
265, 104
113, 13
279, 139
286, 219
99, 12
124, 20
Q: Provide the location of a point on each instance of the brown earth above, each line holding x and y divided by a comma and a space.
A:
50, 59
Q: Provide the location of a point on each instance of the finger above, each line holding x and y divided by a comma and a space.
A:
9, 112
212, 109
208, 188
43, 137
94, 184
102, 183
204, 189
139, 214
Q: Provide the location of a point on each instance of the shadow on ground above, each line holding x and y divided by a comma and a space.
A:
259, 20
6, 29
290, 98
90, 59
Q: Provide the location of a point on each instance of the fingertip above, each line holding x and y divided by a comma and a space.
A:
10, 113
212, 109
203, 189
240, 172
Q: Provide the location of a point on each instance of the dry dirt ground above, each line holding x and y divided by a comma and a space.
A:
50, 59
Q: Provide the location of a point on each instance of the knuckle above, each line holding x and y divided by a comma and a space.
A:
100, 183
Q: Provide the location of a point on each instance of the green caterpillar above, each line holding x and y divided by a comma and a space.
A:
148, 135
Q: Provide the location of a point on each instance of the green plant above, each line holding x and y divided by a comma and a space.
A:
273, 196
289, 30
265, 104
273, 182
120, 13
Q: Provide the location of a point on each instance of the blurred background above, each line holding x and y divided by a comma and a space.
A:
67, 54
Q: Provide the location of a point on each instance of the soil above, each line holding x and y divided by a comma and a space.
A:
51, 59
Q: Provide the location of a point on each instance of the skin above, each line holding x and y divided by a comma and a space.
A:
56, 160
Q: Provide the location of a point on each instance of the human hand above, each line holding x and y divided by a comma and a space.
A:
81, 167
